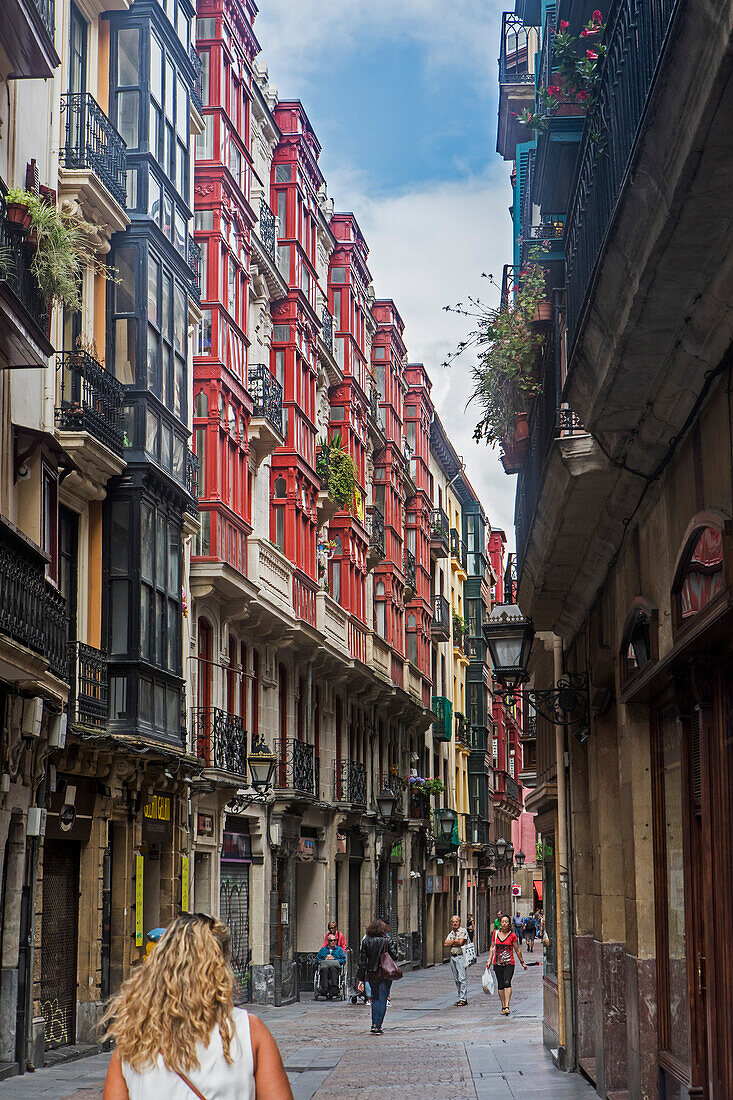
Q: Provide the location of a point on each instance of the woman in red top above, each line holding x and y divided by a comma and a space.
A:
333, 930
503, 946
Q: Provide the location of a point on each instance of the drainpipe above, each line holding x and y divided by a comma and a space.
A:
562, 883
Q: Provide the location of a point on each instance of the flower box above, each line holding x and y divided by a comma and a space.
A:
514, 450
18, 214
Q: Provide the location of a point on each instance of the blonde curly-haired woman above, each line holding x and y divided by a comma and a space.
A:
177, 1033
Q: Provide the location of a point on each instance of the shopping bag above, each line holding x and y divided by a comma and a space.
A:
487, 981
469, 953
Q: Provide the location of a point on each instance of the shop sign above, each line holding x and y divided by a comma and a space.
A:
307, 848
139, 866
446, 885
156, 816
205, 824
284, 913
184, 884
237, 847
429, 884
71, 810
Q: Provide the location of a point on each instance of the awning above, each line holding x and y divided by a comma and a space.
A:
538, 888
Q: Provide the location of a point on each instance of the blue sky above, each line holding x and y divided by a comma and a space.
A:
403, 97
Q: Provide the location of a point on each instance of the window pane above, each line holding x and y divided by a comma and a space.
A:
119, 537
180, 320
170, 90
153, 284
156, 69
172, 661
174, 560
182, 112
127, 56
179, 451
160, 622
145, 612
205, 69
145, 701
166, 447
151, 434
153, 380
154, 146
147, 542
128, 114
179, 391
119, 601
172, 710
125, 284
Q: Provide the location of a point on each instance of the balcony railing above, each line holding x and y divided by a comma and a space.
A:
514, 51
443, 726
32, 611
267, 396
410, 569
327, 329
221, 739
463, 730
510, 579
544, 78
376, 532
89, 699
439, 531
458, 549
441, 617
15, 271
193, 258
350, 782
507, 786
296, 768
91, 400
407, 452
192, 482
634, 44
91, 141
266, 229
198, 80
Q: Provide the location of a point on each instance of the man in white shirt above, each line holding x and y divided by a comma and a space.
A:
456, 938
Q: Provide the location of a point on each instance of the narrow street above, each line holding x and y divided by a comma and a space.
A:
429, 1050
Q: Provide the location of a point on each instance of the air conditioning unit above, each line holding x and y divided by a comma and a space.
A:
36, 821
57, 731
30, 725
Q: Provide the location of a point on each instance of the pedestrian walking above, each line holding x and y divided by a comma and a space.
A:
497, 922
501, 957
455, 940
518, 927
470, 927
176, 1031
373, 946
530, 931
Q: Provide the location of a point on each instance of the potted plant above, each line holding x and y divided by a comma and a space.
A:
18, 206
336, 468
514, 448
64, 249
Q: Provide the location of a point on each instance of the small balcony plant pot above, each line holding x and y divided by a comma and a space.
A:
514, 450
543, 312
18, 214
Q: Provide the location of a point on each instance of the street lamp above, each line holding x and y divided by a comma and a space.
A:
500, 846
446, 822
519, 858
262, 762
509, 636
386, 801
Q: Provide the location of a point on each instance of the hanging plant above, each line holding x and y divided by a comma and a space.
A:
337, 467
507, 342
421, 786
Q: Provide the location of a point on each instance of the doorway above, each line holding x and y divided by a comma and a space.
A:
59, 933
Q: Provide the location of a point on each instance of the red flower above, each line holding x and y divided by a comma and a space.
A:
564, 24
584, 33
597, 17
591, 55
555, 91
582, 96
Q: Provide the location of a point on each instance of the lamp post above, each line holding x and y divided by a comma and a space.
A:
446, 822
262, 763
519, 858
386, 802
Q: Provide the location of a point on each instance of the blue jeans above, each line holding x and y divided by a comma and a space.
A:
380, 993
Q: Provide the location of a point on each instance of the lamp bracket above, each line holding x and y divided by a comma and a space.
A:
242, 801
564, 705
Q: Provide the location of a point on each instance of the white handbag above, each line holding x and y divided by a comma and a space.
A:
469, 953
487, 981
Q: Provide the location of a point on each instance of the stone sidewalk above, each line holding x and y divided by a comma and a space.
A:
429, 1050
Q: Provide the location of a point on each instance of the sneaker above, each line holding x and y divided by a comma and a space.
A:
389, 1003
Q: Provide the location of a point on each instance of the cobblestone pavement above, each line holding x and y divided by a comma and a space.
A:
430, 1049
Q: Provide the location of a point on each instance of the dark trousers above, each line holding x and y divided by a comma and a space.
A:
328, 977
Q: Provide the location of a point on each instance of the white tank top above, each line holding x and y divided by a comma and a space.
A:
215, 1079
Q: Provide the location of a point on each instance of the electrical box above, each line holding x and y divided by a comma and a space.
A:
57, 731
36, 821
30, 725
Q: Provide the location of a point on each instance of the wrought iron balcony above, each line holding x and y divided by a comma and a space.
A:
221, 739
443, 726
198, 80
441, 618
634, 46
193, 258
89, 698
266, 229
391, 781
192, 482
267, 396
32, 611
514, 60
376, 533
327, 328
15, 272
463, 730
506, 786
296, 768
458, 549
350, 782
91, 400
439, 532
410, 569
89, 140
477, 831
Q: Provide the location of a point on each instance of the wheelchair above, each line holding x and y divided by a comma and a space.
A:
342, 983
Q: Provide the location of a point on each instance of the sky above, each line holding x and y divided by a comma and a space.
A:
402, 95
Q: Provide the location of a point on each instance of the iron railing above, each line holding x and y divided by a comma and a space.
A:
443, 726
198, 80
192, 482
441, 616
327, 328
296, 767
458, 549
193, 258
266, 229
410, 569
350, 782
15, 269
91, 141
374, 402
267, 395
510, 579
46, 10
463, 730
634, 46
376, 532
544, 76
89, 696
221, 739
514, 51
439, 526
32, 611
91, 400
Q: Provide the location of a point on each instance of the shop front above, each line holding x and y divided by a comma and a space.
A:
234, 894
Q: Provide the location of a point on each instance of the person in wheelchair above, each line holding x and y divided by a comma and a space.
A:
330, 960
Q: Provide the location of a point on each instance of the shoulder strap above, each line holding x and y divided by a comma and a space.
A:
190, 1085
